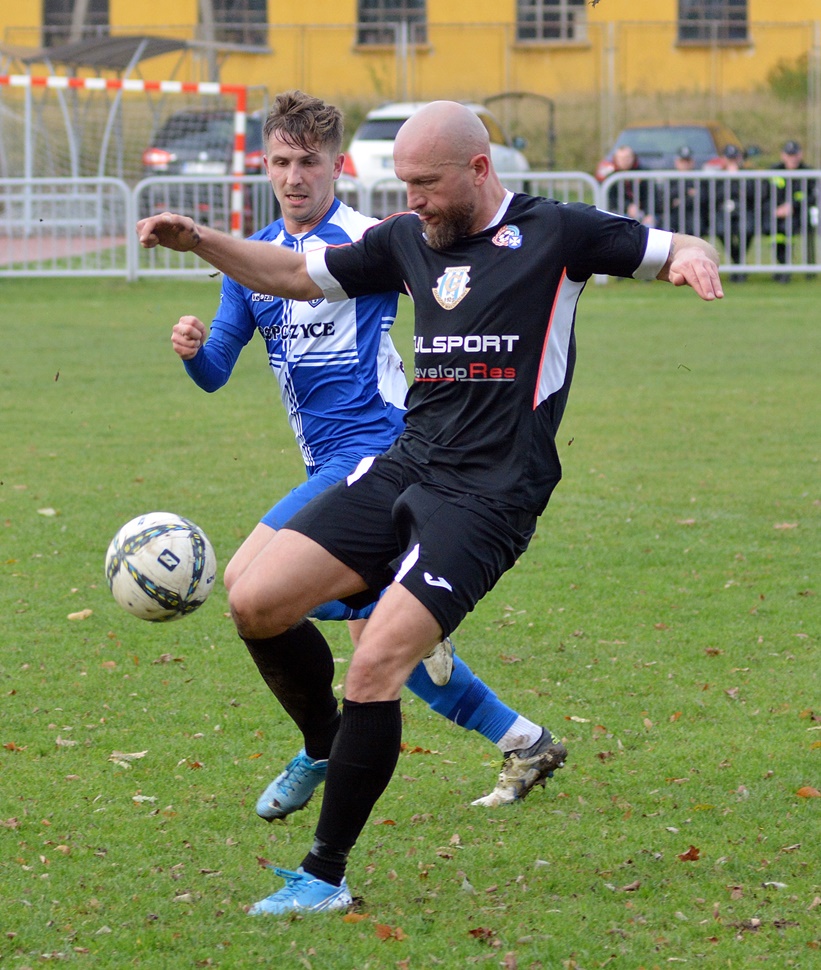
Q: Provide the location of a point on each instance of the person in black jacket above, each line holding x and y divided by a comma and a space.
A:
630, 197
795, 207
735, 211
686, 196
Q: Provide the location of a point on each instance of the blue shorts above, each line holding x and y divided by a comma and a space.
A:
318, 480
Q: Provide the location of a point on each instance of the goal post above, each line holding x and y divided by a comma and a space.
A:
69, 127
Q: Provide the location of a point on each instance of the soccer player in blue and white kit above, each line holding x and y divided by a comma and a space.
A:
343, 385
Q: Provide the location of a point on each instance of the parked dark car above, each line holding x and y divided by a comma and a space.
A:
202, 143
657, 144
197, 143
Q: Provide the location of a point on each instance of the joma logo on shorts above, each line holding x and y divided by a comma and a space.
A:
438, 581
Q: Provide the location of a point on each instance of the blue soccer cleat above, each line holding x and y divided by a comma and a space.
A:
292, 789
302, 893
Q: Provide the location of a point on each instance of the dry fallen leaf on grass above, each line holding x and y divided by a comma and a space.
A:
80, 615
126, 756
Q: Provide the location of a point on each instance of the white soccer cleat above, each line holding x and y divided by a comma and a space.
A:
439, 662
524, 769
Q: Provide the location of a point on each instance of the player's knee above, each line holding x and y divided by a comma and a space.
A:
376, 676
256, 617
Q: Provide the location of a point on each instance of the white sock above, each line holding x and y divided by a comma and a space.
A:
521, 734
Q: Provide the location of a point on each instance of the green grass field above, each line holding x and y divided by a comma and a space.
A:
665, 622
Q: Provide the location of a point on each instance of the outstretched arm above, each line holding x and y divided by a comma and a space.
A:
257, 265
693, 262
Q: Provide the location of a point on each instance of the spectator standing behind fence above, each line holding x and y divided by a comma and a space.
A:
629, 197
735, 211
686, 196
796, 207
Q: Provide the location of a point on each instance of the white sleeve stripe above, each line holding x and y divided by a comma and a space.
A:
655, 254
318, 271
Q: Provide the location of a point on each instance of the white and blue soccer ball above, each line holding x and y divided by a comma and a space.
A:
160, 566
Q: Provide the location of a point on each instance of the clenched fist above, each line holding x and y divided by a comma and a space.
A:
188, 336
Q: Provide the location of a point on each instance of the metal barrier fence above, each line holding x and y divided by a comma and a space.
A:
65, 227
762, 221
387, 195
85, 226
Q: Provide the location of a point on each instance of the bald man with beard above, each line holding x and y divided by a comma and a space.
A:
495, 278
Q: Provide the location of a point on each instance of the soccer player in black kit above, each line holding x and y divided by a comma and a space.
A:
495, 279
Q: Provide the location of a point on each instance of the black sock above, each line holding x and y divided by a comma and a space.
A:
362, 761
298, 667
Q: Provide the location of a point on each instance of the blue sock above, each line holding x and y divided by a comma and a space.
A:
336, 610
465, 700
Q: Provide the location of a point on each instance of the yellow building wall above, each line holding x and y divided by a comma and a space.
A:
471, 50
125, 14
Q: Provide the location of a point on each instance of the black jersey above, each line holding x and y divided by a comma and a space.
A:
493, 339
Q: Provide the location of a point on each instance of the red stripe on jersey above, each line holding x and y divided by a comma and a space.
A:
536, 399
553, 363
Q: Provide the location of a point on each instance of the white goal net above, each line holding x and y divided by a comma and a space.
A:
66, 128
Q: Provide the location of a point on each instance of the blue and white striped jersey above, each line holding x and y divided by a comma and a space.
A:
340, 377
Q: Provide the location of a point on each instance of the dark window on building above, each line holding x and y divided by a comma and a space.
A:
58, 16
380, 21
712, 21
551, 20
241, 22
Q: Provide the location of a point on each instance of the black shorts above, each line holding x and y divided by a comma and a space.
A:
388, 523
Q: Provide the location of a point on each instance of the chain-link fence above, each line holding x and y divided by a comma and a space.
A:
766, 85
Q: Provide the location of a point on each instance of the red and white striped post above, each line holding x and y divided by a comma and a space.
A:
237, 91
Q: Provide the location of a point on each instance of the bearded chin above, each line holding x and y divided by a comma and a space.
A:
455, 225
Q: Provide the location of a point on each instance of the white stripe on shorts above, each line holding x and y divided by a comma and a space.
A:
408, 563
361, 469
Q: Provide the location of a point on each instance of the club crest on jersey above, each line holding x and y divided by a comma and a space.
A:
509, 237
452, 286
316, 302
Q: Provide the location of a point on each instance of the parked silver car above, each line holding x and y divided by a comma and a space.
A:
370, 155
